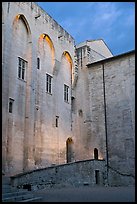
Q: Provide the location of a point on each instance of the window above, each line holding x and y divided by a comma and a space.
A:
96, 153
48, 83
57, 121
73, 104
66, 89
11, 105
38, 63
22, 65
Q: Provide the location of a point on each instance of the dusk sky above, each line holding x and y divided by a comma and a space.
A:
114, 22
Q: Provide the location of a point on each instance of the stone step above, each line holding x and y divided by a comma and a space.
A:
18, 198
5, 180
14, 193
35, 199
6, 189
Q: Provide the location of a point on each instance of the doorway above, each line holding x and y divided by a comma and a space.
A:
97, 176
69, 150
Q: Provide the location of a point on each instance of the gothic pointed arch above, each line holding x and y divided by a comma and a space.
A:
67, 63
69, 150
23, 18
49, 51
17, 20
67, 66
68, 57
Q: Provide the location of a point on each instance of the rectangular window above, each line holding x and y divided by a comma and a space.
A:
48, 84
38, 63
11, 105
22, 65
66, 90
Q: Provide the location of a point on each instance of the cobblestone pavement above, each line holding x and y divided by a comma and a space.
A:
88, 194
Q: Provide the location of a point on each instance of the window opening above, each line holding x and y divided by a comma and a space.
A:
57, 121
38, 63
48, 83
73, 104
66, 90
96, 153
11, 105
22, 65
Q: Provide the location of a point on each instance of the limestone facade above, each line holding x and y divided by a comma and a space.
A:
63, 102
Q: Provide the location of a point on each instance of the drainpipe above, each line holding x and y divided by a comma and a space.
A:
105, 114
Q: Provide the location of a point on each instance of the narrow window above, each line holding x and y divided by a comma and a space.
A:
48, 83
57, 121
22, 65
66, 90
11, 105
38, 63
73, 104
96, 153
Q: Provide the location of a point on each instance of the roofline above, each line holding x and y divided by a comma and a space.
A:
45, 12
103, 42
111, 58
86, 41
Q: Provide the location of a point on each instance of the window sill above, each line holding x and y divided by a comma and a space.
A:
66, 102
22, 80
49, 93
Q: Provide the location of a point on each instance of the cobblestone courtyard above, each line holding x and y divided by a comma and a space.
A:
88, 194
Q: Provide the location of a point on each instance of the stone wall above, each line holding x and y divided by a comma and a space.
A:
120, 111
88, 117
30, 136
118, 77
43, 129
72, 174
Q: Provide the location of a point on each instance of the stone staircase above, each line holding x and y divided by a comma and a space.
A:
12, 194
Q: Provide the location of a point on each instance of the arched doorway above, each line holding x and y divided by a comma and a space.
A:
69, 150
96, 153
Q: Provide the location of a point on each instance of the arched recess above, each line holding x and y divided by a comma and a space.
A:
45, 65
20, 59
16, 25
66, 58
21, 37
46, 52
69, 150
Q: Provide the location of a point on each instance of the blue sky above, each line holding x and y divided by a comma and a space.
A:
114, 22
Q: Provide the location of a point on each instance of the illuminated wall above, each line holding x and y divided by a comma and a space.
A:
35, 133
58, 105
